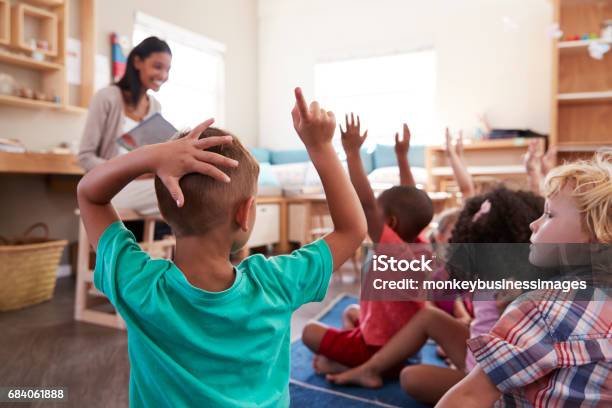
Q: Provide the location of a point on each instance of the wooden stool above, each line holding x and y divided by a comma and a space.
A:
87, 296
319, 228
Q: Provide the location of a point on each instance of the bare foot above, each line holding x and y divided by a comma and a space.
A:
323, 365
361, 376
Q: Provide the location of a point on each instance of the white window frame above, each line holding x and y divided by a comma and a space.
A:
374, 138
166, 30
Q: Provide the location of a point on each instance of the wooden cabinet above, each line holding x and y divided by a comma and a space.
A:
499, 160
582, 86
266, 230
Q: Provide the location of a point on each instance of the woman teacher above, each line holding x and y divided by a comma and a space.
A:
120, 107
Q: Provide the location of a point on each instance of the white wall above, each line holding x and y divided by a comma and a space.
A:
493, 56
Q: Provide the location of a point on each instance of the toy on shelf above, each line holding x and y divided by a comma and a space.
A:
118, 57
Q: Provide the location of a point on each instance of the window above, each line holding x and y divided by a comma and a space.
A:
386, 92
196, 86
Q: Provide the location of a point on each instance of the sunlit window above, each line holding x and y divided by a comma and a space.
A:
195, 89
386, 91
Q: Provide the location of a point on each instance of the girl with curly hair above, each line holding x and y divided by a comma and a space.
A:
499, 216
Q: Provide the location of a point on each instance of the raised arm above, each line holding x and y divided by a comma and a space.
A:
315, 126
351, 143
533, 167
455, 157
170, 161
402, 147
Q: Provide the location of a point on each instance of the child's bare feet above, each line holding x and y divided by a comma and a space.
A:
323, 365
361, 376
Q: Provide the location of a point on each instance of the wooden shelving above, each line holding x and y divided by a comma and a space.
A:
584, 97
580, 146
17, 102
501, 158
490, 144
47, 3
581, 100
27, 62
572, 47
39, 163
5, 22
48, 22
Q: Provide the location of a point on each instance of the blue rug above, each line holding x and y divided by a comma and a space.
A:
311, 390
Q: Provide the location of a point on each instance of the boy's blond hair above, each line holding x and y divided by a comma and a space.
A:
591, 183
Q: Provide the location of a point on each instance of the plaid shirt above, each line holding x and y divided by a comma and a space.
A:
551, 350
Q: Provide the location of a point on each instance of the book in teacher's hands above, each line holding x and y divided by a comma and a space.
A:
154, 129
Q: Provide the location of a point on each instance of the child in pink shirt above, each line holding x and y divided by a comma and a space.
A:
396, 218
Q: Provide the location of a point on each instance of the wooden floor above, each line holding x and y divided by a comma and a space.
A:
43, 346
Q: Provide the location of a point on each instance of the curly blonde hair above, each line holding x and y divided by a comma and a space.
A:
591, 183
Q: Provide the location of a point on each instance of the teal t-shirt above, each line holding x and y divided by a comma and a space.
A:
189, 347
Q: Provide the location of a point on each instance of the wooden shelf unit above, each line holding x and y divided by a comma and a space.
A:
48, 28
5, 22
47, 3
499, 158
584, 97
28, 62
581, 102
52, 70
40, 163
581, 46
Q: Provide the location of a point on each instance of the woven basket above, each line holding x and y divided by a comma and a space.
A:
28, 269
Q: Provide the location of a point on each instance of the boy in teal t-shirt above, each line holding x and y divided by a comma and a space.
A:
202, 332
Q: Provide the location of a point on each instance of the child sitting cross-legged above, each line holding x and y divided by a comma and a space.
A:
396, 218
550, 347
501, 215
202, 332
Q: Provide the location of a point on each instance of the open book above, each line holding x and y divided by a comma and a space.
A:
154, 129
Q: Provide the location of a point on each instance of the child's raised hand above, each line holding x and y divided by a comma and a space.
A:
532, 158
314, 125
187, 155
450, 149
548, 160
402, 146
459, 144
351, 136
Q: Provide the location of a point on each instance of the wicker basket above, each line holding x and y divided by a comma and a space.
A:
28, 269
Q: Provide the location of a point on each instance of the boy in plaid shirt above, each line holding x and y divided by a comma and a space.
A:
553, 349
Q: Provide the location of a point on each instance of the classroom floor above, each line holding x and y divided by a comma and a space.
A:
43, 345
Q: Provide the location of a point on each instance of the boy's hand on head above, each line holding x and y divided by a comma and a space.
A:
402, 146
314, 125
187, 155
352, 139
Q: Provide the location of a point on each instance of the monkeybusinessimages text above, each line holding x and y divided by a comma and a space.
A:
423, 264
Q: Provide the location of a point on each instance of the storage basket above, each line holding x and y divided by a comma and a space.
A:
28, 268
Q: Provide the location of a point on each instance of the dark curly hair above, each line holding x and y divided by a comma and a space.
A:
480, 248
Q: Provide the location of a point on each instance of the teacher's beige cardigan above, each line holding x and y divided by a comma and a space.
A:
104, 125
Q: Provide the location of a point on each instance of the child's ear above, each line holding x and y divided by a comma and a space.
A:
243, 214
392, 221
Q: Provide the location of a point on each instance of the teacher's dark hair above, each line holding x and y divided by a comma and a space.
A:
130, 82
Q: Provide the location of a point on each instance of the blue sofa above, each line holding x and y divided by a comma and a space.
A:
382, 156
